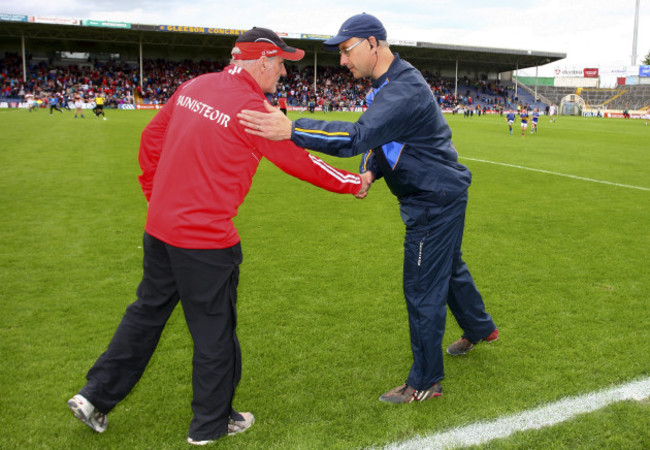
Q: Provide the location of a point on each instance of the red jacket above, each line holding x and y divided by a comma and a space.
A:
198, 162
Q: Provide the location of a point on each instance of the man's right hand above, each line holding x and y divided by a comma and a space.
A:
273, 125
367, 178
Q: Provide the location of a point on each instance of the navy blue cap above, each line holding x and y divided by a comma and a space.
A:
362, 26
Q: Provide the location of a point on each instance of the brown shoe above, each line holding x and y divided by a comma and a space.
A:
463, 345
407, 394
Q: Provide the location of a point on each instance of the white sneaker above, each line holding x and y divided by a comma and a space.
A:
87, 413
193, 442
238, 423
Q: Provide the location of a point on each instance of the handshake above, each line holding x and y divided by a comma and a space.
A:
367, 178
276, 126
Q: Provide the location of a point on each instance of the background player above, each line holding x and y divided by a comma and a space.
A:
535, 119
79, 106
523, 115
552, 111
99, 106
54, 104
510, 118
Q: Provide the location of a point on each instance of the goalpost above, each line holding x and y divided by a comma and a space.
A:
572, 105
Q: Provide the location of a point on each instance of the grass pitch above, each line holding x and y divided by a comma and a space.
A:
561, 262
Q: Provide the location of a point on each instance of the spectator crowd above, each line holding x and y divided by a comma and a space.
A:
119, 83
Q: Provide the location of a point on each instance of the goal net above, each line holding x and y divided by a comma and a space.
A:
572, 105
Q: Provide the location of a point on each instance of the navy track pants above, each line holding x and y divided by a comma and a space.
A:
435, 276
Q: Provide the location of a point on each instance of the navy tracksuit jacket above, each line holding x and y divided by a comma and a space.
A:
406, 140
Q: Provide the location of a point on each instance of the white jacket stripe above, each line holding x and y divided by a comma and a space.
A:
344, 178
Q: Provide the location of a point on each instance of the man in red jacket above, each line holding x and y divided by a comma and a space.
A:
197, 166
282, 104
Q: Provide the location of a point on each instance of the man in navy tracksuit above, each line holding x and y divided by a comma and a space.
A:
406, 140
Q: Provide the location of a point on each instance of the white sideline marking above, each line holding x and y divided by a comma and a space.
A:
558, 174
482, 432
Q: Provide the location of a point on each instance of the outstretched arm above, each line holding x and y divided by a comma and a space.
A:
301, 164
387, 119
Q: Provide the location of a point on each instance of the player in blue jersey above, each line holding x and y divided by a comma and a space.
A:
510, 118
523, 115
535, 119
54, 104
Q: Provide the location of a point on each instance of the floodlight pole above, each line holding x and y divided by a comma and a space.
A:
517, 80
315, 70
636, 32
22, 41
456, 82
141, 70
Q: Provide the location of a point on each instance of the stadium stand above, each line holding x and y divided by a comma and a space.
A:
119, 81
114, 50
635, 97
